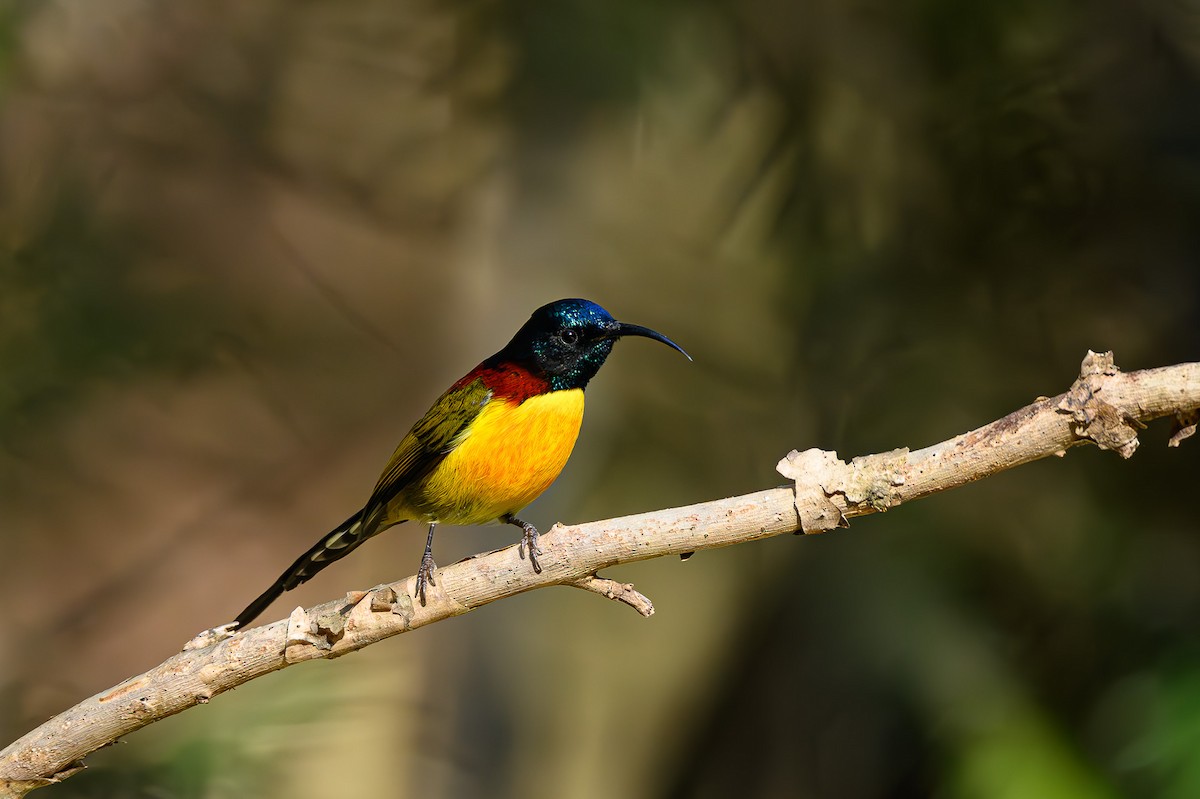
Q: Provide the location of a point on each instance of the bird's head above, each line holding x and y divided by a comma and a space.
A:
568, 341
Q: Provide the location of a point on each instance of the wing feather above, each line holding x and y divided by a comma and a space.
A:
443, 427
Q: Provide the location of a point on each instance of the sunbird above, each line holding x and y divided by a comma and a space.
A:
488, 447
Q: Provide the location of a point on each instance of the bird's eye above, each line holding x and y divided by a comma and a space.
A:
569, 336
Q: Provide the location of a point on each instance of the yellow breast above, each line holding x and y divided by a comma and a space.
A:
511, 454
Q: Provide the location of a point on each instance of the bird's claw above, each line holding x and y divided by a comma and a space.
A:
425, 577
530, 541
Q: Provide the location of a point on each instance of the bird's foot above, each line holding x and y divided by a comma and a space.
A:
530, 541
425, 576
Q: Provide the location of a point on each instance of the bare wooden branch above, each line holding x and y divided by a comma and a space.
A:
1103, 406
621, 592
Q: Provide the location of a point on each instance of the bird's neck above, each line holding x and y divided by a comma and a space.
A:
508, 380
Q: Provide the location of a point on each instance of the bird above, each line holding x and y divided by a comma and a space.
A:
488, 446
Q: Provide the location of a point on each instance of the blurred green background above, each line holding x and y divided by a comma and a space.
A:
244, 245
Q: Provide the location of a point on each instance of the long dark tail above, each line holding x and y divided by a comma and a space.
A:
340, 542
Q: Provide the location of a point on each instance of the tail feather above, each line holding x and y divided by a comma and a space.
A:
340, 542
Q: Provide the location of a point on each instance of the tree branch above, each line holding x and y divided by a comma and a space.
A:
1103, 406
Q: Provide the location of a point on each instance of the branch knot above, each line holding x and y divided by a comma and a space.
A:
1094, 419
827, 487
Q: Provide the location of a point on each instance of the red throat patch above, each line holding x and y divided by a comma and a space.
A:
507, 381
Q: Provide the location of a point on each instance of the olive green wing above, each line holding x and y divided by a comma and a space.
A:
440, 430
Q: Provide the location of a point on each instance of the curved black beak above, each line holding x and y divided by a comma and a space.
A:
625, 329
